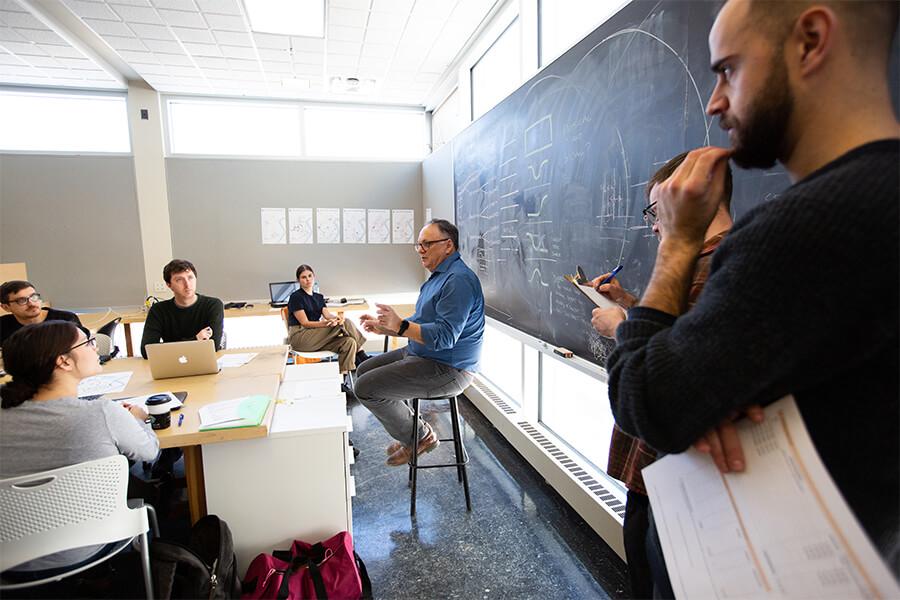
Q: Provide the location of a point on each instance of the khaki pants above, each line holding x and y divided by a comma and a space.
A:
344, 339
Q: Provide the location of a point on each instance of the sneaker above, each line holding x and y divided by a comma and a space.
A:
403, 454
361, 357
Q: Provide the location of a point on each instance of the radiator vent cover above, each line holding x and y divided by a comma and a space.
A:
489, 393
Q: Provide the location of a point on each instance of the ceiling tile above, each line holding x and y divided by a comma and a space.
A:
202, 49
268, 40
19, 19
350, 4
309, 58
240, 64
226, 22
346, 17
92, 10
137, 14
132, 57
378, 50
201, 36
180, 60
397, 6
164, 46
174, 4
238, 52
345, 34
342, 60
104, 27
152, 32
67, 51
438, 9
9, 59
114, 3
277, 67
183, 18
308, 44
211, 62
383, 36
344, 48
373, 64
278, 55
233, 38
221, 7
42, 36
24, 48
183, 71
307, 70
124, 43
76, 63
11, 6
9, 35
387, 20
38, 61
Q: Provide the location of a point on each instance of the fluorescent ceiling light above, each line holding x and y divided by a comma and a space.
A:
287, 17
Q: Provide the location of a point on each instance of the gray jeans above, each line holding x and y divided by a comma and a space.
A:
383, 383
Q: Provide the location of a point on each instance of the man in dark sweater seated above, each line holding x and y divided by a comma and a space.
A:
188, 315
802, 296
20, 299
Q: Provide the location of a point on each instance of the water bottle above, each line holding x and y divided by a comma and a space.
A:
315, 287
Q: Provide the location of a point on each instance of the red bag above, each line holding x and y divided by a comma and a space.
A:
329, 569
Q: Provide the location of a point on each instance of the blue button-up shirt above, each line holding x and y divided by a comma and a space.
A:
450, 313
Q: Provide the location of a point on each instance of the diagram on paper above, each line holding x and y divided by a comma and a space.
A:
328, 225
105, 383
402, 225
300, 226
379, 226
274, 230
354, 226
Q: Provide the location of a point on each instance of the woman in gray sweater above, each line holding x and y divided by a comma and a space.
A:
43, 424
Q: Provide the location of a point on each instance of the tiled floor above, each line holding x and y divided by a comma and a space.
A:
520, 541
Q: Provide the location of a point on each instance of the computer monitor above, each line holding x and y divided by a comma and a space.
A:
280, 291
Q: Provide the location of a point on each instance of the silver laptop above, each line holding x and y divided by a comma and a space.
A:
182, 359
280, 292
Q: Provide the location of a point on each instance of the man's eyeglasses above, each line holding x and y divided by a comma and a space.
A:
428, 244
35, 297
650, 213
91, 341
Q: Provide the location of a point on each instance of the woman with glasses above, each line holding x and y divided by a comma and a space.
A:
43, 423
312, 327
20, 299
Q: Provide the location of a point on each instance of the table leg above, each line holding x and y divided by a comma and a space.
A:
196, 487
129, 349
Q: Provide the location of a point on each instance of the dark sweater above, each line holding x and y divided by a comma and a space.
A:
802, 299
9, 324
168, 322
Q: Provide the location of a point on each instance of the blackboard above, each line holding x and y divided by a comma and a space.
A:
554, 175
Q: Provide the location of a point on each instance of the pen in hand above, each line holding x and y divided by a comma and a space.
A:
611, 276
180, 419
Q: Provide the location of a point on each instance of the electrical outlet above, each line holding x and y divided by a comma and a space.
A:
159, 286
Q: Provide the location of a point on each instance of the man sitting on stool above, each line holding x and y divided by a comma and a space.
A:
445, 336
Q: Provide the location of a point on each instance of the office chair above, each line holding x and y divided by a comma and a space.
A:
67, 508
106, 340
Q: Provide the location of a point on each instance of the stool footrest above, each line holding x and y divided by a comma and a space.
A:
437, 465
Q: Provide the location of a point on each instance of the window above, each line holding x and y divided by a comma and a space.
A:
498, 72
565, 22
501, 362
234, 128
446, 121
365, 133
63, 122
575, 406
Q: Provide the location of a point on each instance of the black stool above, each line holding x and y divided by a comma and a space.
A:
462, 458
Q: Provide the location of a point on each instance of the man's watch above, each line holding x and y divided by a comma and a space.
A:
404, 325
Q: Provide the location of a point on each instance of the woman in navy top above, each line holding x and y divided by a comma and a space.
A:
312, 327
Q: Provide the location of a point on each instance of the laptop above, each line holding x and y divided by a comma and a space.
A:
280, 291
182, 359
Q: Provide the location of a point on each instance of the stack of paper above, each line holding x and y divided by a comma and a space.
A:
229, 361
229, 414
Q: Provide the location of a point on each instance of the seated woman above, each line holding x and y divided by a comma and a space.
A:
312, 327
45, 426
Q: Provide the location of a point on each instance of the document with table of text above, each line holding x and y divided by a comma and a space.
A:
781, 529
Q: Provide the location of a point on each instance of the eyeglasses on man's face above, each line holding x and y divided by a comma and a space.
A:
91, 341
35, 297
650, 213
426, 244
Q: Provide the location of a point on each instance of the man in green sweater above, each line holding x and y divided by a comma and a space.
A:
188, 315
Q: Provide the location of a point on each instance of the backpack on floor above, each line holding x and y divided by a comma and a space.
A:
205, 568
329, 569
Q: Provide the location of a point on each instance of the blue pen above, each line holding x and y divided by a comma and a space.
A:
611, 276
180, 419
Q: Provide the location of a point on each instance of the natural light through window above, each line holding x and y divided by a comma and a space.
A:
501, 362
357, 133
575, 406
234, 128
565, 22
498, 72
54, 122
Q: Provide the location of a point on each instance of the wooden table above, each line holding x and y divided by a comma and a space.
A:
262, 375
137, 314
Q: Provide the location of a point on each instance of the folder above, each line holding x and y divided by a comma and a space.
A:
247, 411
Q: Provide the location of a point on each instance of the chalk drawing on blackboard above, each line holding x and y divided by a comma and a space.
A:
539, 135
536, 274
540, 169
537, 241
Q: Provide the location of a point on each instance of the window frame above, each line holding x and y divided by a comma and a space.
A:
471, 68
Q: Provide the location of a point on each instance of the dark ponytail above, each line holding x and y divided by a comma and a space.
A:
30, 354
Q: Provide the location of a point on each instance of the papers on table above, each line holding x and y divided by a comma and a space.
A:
240, 412
230, 361
174, 402
104, 383
781, 529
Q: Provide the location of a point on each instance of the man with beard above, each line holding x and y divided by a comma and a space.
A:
802, 296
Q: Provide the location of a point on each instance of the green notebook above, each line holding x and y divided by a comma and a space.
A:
230, 414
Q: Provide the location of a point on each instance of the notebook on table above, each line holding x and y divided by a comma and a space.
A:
182, 359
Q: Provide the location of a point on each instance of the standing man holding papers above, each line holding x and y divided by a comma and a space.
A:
186, 316
445, 336
803, 83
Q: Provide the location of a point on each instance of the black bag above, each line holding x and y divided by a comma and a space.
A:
204, 569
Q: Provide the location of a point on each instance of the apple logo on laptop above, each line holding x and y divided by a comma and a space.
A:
182, 359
